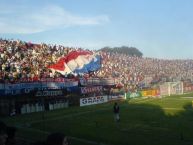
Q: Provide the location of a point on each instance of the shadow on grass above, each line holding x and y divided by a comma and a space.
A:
142, 123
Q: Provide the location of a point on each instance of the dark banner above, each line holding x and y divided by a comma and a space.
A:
29, 87
50, 93
87, 90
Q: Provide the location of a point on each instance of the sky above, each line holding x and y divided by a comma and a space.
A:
158, 28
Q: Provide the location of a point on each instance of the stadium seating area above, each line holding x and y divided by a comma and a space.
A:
21, 60
135, 70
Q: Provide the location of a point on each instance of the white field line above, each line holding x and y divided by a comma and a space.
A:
142, 100
187, 97
67, 116
173, 108
179, 98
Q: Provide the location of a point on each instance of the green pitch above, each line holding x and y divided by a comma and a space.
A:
150, 121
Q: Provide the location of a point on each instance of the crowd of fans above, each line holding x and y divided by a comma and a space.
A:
133, 70
21, 60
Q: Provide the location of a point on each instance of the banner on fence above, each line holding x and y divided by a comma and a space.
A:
133, 95
116, 97
55, 93
86, 90
150, 93
188, 88
29, 87
93, 100
96, 81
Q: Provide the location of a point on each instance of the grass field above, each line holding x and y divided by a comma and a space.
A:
166, 121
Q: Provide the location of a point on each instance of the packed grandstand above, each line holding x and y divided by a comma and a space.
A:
21, 60
22, 63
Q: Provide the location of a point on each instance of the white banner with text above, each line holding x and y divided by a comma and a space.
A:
93, 100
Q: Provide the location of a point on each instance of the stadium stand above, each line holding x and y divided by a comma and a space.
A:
24, 65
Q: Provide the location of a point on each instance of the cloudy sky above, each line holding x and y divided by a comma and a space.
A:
158, 28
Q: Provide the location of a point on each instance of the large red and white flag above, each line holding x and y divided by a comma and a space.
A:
78, 62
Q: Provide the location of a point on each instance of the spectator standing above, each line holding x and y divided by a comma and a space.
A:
116, 112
